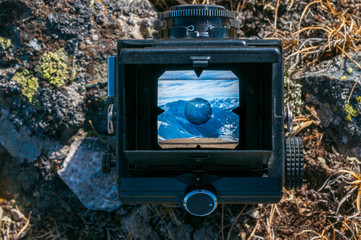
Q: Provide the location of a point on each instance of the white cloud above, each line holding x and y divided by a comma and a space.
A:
171, 90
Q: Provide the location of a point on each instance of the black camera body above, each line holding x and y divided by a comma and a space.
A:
200, 141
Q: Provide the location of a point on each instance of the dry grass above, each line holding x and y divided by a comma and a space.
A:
331, 33
328, 31
12, 229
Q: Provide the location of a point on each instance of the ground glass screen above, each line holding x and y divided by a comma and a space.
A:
198, 111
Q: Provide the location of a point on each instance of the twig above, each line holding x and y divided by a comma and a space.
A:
303, 13
254, 230
235, 221
358, 65
92, 126
25, 226
353, 88
270, 221
311, 231
276, 13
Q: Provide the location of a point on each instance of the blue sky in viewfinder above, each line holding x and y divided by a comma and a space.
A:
185, 85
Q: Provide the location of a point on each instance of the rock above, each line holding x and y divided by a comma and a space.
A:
1, 212
328, 87
17, 216
34, 43
207, 230
81, 171
19, 142
7, 221
61, 154
137, 18
321, 160
254, 214
138, 222
65, 108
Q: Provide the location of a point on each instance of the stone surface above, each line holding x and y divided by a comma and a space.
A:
328, 88
81, 171
19, 142
17, 216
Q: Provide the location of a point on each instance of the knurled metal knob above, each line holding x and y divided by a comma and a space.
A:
293, 163
197, 21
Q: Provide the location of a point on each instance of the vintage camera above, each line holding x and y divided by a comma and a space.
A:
198, 115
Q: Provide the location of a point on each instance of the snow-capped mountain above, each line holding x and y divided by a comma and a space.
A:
223, 124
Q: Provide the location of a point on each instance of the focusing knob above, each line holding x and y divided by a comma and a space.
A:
197, 21
293, 163
200, 202
197, 10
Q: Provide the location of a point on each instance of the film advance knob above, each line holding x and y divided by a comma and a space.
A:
200, 202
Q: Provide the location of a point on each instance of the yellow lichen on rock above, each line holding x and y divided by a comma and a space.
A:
53, 67
343, 78
5, 43
29, 84
350, 112
358, 99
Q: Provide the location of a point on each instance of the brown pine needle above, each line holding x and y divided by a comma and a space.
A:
358, 65
235, 221
276, 13
303, 14
353, 88
25, 226
254, 230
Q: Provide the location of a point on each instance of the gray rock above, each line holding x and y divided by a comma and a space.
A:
136, 224
34, 43
328, 88
81, 171
19, 142
17, 216
254, 213
12, 202
7, 221
60, 154
321, 160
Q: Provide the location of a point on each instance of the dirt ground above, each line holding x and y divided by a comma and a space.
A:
36, 204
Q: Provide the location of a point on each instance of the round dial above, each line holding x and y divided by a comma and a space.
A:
200, 202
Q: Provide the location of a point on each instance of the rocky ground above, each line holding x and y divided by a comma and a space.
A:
53, 106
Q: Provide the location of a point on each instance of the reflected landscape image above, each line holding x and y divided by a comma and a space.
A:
198, 111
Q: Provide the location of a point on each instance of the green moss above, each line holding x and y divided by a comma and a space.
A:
53, 67
358, 99
5, 43
29, 84
350, 112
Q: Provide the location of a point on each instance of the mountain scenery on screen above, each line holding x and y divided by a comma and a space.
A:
198, 107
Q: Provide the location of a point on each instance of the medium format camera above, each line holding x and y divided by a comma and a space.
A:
198, 115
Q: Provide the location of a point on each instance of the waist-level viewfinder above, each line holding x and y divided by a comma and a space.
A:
198, 115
